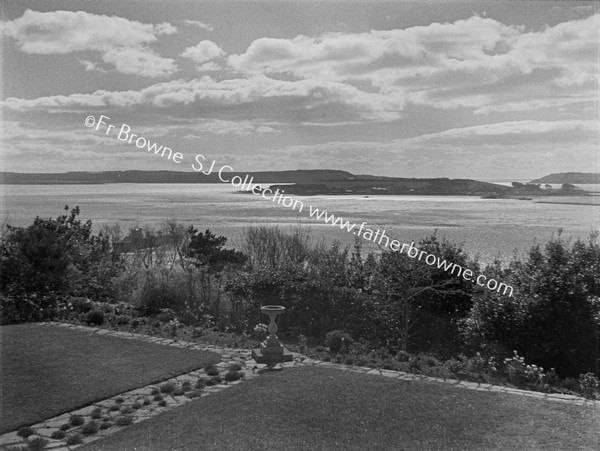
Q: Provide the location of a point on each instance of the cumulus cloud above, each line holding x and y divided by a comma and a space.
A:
116, 38
203, 52
309, 97
468, 63
197, 23
221, 127
139, 61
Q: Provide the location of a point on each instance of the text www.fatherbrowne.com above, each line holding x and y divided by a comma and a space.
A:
379, 237
247, 184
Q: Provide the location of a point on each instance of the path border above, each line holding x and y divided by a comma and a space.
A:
229, 356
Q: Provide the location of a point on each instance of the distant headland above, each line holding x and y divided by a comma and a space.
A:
570, 177
310, 182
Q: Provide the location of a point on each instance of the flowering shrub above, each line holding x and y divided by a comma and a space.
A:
338, 341
172, 327
588, 385
473, 368
260, 330
522, 374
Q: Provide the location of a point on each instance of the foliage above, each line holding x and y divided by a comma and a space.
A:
525, 375
232, 376
57, 435
588, 385
74, 439
212, 370
167, 387
207, 250
90, 428
123, 420
95, 318
76, 420
25, 431
554, 314
49, 260
37, 443
338, 341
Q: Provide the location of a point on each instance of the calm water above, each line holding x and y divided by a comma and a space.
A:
488, 227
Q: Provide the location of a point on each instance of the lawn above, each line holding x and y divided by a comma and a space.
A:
46, 371
316, 408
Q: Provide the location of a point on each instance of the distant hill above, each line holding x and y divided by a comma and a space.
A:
80, 178
305, 182
570, 177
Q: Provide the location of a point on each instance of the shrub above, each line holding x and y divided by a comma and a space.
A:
588, 385
231, 376
414, 363
212, 371
65, 427
194, 394
37, 443
430, 361
90, 428
552, 316
25, 432
119, 400
530, 376
123, 420
105, 424
162, 403
215, 380
76, 420
402, 356
74, 439
154, 391
158, 397
200, 384
96, 413
338, 341
178, 392
123, 320
57, 255
186, 385
126, 410
95, 318
57, 435
114, 407
136, 405
147, 402
168, 387
235, 367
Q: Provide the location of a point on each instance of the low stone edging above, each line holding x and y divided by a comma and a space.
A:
229, 356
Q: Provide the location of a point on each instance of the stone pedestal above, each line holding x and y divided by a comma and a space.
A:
271, 351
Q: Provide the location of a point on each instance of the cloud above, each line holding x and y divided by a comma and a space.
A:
306, 99
203, 52
478, 63
116, 38
221, 127
139, 61
199, 24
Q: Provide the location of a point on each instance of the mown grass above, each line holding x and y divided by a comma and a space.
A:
317, 408
46, 371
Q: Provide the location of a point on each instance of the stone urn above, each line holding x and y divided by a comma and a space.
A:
271, 350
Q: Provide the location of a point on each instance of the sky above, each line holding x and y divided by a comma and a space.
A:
482, 90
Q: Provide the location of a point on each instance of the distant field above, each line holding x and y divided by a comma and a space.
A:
327, 409
46, 371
